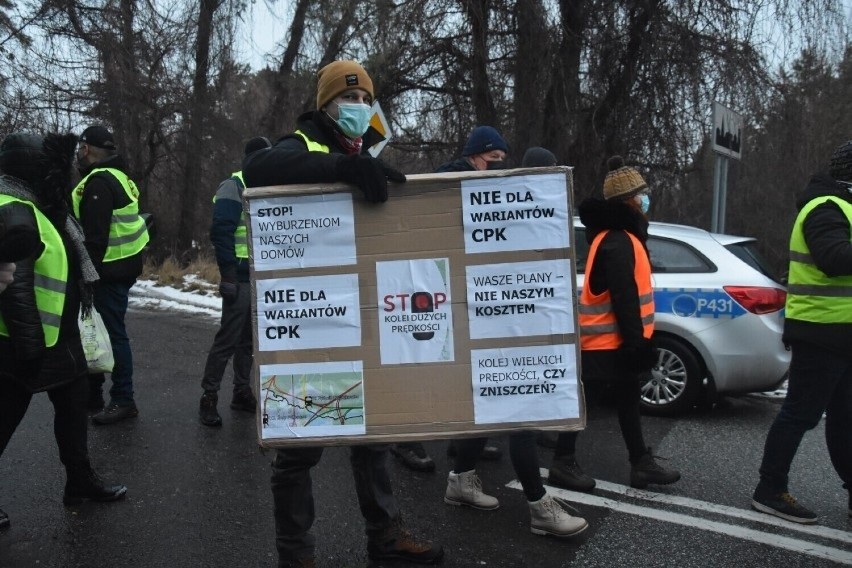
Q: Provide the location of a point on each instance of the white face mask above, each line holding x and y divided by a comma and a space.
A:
644, 202
353, 118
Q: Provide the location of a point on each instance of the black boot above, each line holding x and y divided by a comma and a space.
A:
566, 472
244, 400
646, 470
4, 520
84, 483
207, 412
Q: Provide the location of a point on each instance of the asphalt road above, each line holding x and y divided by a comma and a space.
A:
199, 497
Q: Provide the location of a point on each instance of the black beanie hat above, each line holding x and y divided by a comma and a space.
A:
840, 167
256, 143
22, 156
538, 157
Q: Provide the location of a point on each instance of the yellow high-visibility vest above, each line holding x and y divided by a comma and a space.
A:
50, 276
127, 232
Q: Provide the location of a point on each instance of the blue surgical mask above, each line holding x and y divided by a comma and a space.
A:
644, 202
353, 118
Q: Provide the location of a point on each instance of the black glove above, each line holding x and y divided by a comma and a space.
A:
228, 290
637, 359
369, 174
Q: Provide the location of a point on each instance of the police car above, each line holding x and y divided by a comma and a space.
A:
719, 317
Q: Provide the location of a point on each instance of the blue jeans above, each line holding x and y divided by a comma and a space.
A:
820, 382
111, 303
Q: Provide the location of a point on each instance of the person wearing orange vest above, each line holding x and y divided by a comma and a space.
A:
40, 345
616, 317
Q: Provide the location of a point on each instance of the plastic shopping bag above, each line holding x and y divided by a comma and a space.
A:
96, 343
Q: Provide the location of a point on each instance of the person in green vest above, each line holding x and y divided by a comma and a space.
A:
818, 330
106, 202
234, 338
327, 147
39, 336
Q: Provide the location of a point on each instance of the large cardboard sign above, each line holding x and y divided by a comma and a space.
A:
448, 311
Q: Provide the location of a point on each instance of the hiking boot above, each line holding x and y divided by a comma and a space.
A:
413, 456
4, 520
781, 504
396, 543
548, 517
488, 453
647, 470
84, 483
466, 489
244, 400
565, 472
207, 413
115, 413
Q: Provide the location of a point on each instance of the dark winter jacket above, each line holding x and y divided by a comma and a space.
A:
227, 211
827, 233
24, 355
459, 165
613, 270
289, 161
103, 194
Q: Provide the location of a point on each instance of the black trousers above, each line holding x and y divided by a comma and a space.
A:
522, 451
627, 391
70, 419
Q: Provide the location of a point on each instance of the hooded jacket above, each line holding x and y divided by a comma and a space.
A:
25, 357
613, 270
458, 165
827, 232
103, 194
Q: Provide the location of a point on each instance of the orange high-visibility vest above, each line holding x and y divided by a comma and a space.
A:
598, 326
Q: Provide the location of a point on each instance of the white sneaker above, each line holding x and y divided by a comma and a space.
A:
548, 517
466, 489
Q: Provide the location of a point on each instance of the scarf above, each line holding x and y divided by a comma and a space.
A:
15, 188
349, 145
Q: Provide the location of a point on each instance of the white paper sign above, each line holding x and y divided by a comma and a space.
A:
520, 299
415, 311
515, 213
521, 384
308, 312
312, 399
302, 231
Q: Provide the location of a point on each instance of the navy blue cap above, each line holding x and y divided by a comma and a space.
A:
484, 139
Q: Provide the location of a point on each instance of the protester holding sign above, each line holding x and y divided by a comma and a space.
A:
327, 147
616, 314
39, 339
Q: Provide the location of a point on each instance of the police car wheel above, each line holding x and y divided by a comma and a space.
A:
674, 384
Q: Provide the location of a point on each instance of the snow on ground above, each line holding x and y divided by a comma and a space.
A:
198, 297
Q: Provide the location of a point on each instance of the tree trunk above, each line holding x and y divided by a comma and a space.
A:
191, 192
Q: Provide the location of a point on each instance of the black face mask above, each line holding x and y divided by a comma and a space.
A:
498, 165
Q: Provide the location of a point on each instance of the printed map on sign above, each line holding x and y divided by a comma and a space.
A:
312, 399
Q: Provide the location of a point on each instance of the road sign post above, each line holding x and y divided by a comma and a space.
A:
727, 144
